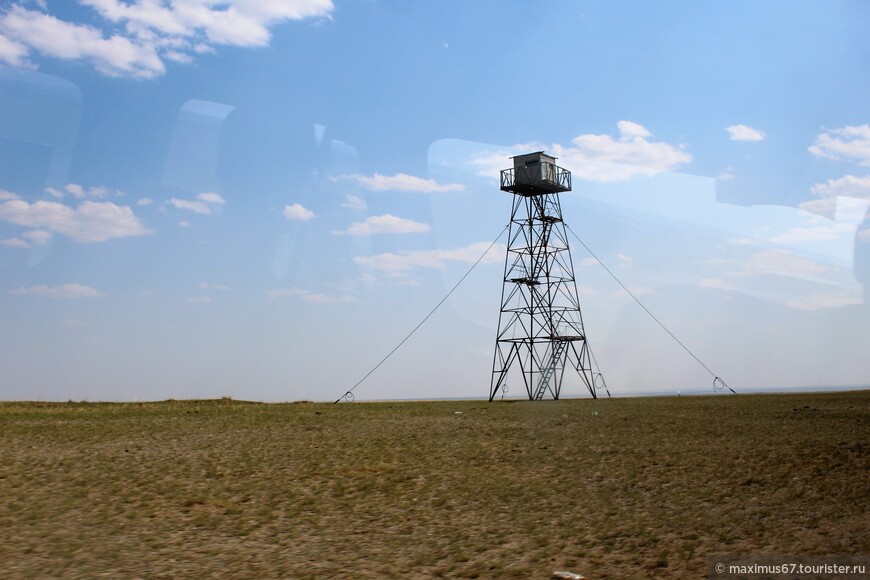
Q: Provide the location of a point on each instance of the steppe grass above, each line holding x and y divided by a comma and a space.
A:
622, 488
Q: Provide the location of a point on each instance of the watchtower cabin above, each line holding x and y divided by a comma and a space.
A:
535, 174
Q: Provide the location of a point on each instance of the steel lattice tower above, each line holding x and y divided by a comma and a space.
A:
540, 329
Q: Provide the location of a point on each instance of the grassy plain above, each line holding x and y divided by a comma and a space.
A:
623, 488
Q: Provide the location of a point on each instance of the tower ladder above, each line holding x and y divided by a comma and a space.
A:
558, 349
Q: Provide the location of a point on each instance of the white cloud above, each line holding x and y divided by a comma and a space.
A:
599, 158
405, 261
133, 38
13, 53
199, 300
814, 234
115, 55
355, 202
400, 182
80, 192
726, 175
178, 57
625, 259
144, 201
184, 224
307, 296
781, 263
211, 198
830, 300
89, 222
745, 133
194, 206
384, 224
847, 144
279, 292
7, 195
324, 299
207, 286
14, 243
204, 204
631, 130
298, 212
63, 291
824, 207
239, 23
38, 237
588, 262
848, 209
849, 186
632, 151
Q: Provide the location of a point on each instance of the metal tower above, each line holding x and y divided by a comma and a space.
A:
540, 328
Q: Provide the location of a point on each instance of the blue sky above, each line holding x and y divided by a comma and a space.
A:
259, 199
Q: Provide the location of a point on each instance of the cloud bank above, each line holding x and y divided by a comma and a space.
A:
135, 39
90, 221
600, 157
400, 182
403, 262
850, 143
385, 224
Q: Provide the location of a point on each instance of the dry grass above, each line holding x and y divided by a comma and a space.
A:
612, 489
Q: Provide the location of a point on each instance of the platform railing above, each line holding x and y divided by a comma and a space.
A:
542, 173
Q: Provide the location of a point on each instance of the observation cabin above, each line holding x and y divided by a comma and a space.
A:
535, 174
